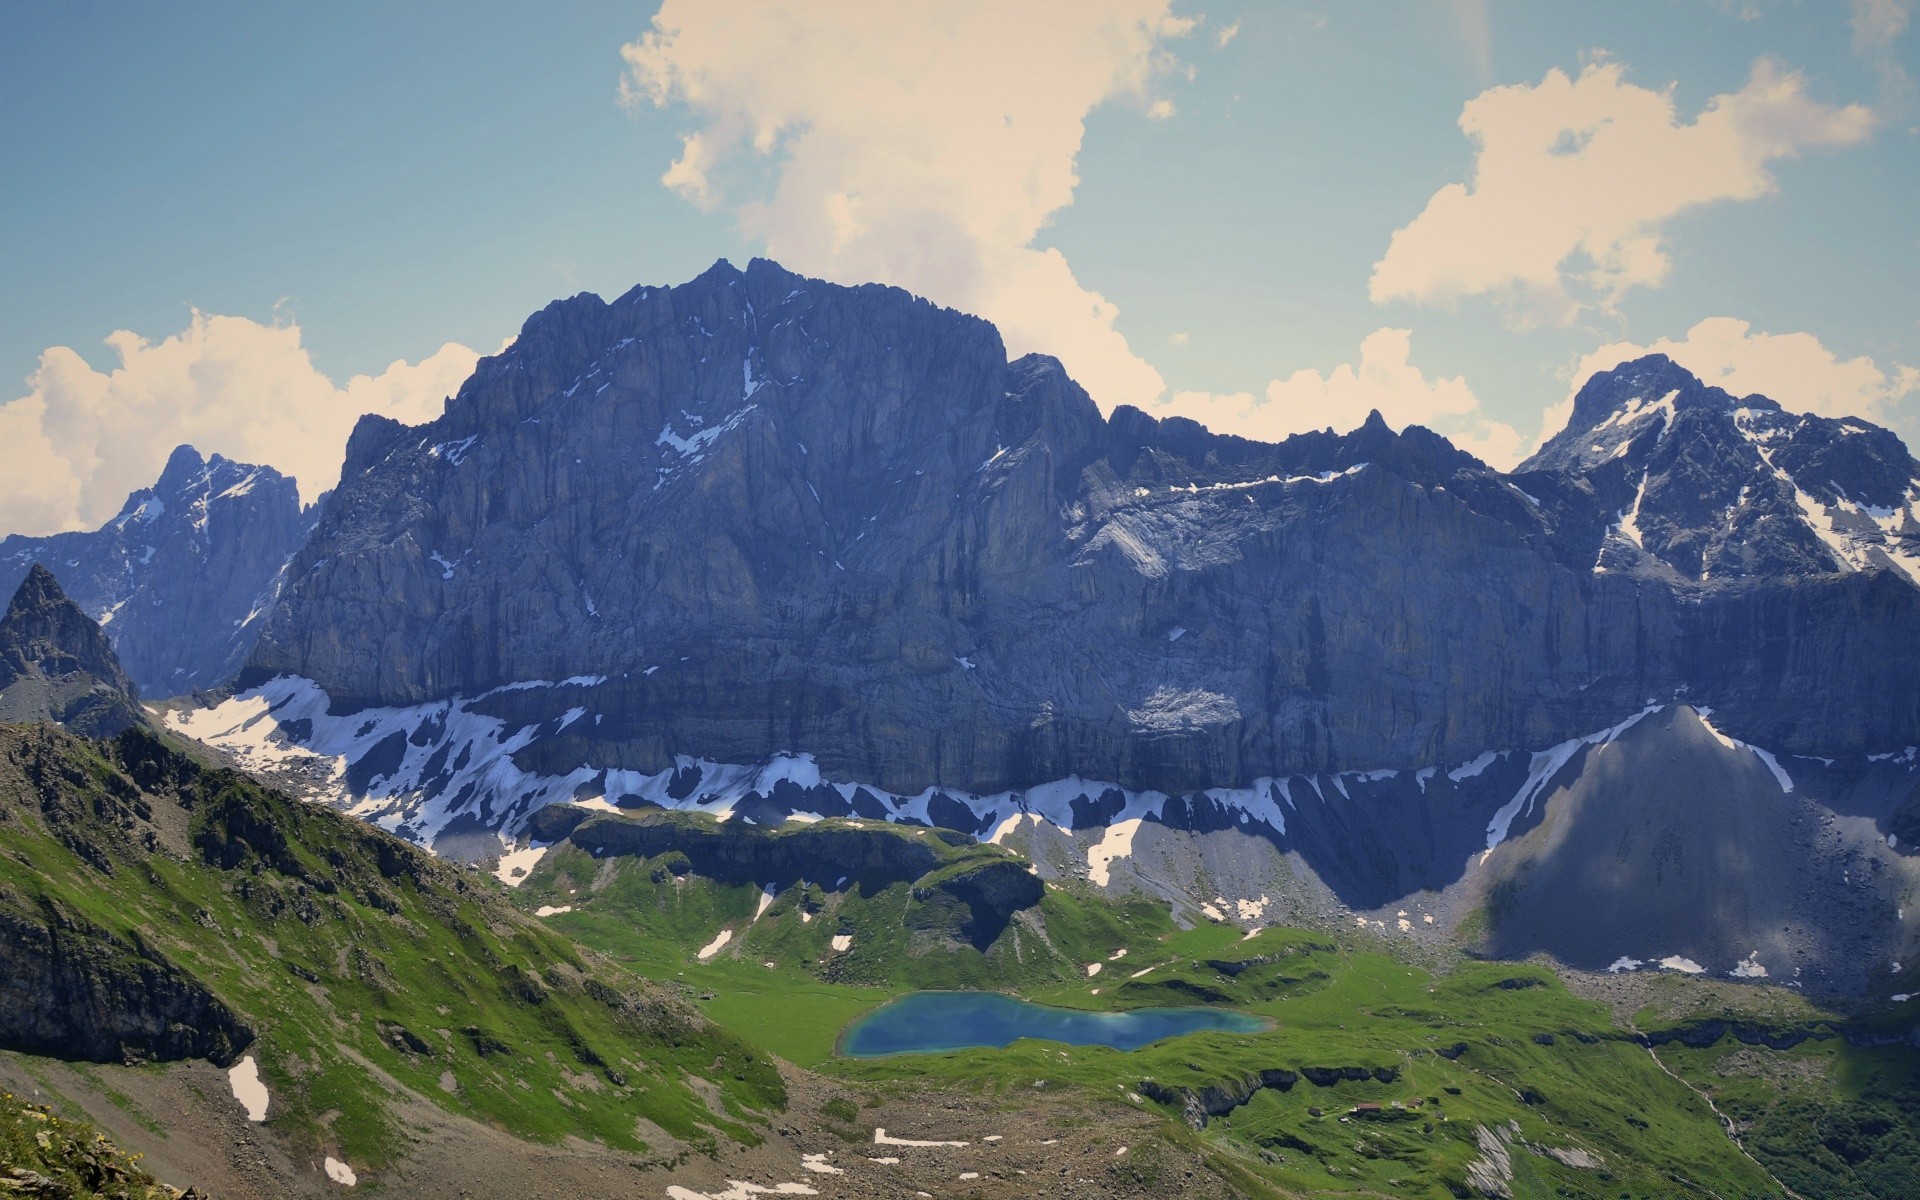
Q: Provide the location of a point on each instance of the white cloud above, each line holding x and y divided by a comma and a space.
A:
1180, 340
1384, 379
1575, 179
1792, 368
1877, 25
925, 145
1225, 35
79, 440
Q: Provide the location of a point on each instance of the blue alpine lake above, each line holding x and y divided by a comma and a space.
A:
927, 1022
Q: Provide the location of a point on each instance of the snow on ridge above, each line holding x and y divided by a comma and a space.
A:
1541, 770
1766, 758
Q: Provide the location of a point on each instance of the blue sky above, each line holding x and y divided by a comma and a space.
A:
1186, 201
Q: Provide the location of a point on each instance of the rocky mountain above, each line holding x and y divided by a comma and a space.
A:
56, 665
1696, 487
181, 576
762, 545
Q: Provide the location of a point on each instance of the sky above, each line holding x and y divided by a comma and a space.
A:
243, 226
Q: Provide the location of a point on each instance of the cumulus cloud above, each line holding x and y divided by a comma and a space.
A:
1795, 369
1574, 180
80, 439
1384, 379
925, 145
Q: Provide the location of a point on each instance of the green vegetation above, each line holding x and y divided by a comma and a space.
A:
358, 962
1827, 1117
1473, 1046
42, 1154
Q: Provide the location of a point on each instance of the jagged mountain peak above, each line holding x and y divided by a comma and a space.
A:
56, 664
1699, 487
175, 576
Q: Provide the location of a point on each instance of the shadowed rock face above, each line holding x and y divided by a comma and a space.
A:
1672, 841
759, 512
72, 990
181, 576
56, 665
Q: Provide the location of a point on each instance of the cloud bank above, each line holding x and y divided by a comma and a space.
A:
1574, 180
79, 440
924, 145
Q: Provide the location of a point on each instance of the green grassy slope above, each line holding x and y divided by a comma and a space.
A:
358, 962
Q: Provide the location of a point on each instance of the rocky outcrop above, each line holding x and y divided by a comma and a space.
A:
73, 990
1217, 1099
181, 577
56, 665
991, 893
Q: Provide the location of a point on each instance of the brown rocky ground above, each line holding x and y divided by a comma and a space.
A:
1077, 1147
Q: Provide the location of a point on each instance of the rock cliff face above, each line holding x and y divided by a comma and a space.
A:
71, 989
759, 512
56, 665
180, 578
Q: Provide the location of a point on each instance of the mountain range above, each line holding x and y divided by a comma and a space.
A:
764, 545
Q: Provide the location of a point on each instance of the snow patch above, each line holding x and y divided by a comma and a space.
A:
516, 865
1749, 967
340, 1172
1116, 842
244, 1079
454, 452
714, 947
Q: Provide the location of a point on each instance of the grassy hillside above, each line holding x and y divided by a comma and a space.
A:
346, 963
